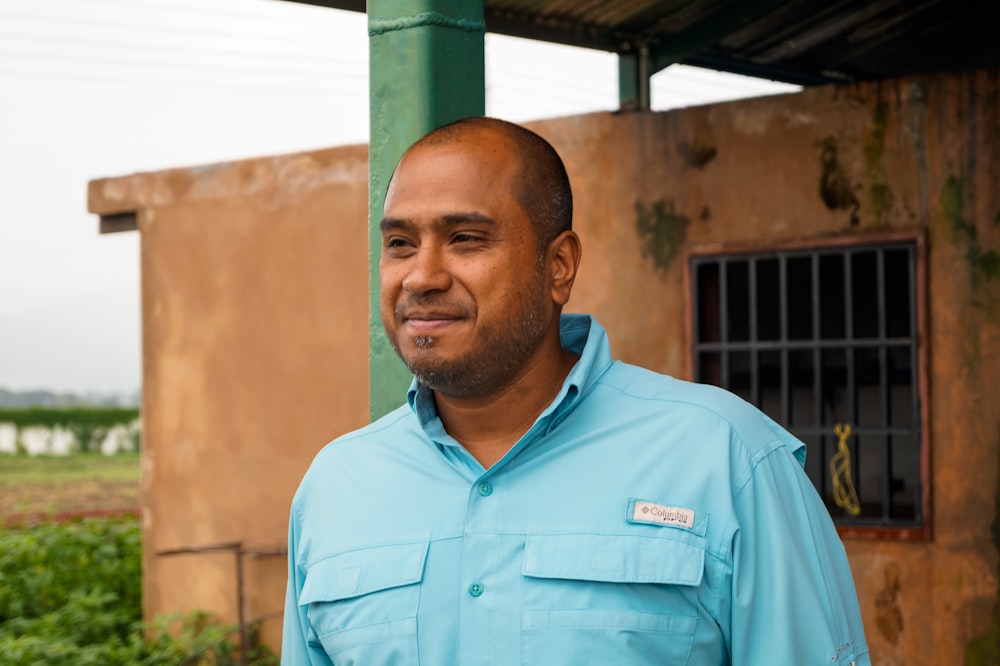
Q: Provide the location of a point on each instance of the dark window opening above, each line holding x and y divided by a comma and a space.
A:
817, 338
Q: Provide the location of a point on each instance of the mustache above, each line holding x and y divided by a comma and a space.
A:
421, 303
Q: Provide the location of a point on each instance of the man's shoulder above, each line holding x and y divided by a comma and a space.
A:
678, 398
358, 453
640, 383
393, 429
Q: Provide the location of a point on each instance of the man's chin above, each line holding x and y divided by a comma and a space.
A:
435, 372
426, 360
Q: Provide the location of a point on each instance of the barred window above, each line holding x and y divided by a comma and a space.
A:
825, 341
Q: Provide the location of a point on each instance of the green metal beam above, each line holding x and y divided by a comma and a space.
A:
426, 69
642, 57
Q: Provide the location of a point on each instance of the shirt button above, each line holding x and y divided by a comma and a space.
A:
476, 589
485, 488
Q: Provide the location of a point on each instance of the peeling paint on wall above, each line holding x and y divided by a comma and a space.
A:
834, 186
696, 154
889, 617
661, 229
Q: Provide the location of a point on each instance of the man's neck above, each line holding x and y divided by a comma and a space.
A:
488, 426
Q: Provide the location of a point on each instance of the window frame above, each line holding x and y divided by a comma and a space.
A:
923, 531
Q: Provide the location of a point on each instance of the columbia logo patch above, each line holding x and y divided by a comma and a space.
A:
661, 514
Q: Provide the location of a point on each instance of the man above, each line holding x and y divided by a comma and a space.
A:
535, 502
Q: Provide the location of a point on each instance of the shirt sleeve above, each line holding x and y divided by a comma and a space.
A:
793, 596
296, 647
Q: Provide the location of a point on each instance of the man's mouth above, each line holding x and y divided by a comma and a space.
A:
428, 322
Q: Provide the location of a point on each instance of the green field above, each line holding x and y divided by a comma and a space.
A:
71, 589
71, 593
77, 482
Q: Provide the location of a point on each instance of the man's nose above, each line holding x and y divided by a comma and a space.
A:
427, 272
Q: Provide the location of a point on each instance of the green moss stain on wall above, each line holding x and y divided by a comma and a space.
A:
661, 229
984, 265
984, 650
951, 204
877, 185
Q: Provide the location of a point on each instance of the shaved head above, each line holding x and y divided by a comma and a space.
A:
541, 185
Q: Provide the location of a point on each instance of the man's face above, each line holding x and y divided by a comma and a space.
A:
464, 297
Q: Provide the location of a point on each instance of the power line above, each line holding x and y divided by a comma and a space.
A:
181, 83
133, 63
173, 6
145, 46
185, 30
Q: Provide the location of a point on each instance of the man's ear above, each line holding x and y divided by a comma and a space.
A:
562, 262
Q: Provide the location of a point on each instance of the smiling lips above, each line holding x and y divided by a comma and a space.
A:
428, 322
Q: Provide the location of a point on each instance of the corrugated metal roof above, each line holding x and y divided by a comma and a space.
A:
800, 41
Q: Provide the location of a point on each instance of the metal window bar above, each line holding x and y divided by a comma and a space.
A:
850, 362
786, 393
754, 356
916, 422
885, 390
723, 323
818, 416
777, 345
887, 430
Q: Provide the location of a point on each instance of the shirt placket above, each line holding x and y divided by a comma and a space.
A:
481, 579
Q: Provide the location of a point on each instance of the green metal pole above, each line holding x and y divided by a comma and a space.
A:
633, 80
426, 69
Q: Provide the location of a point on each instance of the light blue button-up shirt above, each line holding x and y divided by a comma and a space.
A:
641, 520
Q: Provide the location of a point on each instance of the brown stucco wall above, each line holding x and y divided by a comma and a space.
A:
254, 297
863, 161
254, 317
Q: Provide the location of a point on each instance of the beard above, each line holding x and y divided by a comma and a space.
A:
499, 353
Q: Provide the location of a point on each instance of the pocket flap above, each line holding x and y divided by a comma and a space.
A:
613, 559
360, 572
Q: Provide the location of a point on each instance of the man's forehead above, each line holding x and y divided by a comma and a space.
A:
468, 134
457, 163
489, 145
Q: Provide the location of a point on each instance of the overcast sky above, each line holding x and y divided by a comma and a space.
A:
95, 88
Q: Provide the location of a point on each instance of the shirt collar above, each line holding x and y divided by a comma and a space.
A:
580, 334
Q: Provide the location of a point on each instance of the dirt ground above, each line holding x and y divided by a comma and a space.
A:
57, 497
75, 483
78, 496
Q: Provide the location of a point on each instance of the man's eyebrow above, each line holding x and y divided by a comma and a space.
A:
391, 223
452, 219
463, 218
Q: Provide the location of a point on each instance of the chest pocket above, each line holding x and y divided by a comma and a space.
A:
362, 605
609, 599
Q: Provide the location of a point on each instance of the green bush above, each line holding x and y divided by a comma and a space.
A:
69, 417
89, 425
71, 594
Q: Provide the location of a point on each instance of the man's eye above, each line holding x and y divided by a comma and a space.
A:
395, 242
465, 238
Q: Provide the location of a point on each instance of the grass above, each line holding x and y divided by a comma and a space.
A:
77, 482
17, 469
